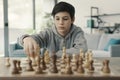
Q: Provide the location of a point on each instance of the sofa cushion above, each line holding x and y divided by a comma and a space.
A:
101, 53
105, 38
18, 46
92, 40
111, 42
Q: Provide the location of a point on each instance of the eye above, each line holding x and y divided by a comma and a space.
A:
65, 18
57, 19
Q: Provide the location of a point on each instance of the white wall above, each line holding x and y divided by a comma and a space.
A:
105, 7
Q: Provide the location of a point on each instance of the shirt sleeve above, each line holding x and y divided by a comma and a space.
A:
40, 38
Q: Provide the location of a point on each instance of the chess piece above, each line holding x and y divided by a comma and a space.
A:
54, 66
90, 55
80, 68
7, 62
43, 65
68, 69
19, 67
33, 61
38, 69
106, 68
74, 58
64, 54
29, 67
81, 53
91, 68
15, 69
86, 63
76, 65
33, 58
47, 57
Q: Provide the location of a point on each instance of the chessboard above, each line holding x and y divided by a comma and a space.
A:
47, 74
61, 69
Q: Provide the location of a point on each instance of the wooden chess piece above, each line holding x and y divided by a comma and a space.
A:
43, 65
29, 67
7, 62
106, 68
38, 69
91, 67
81, 53
76, 65
90, 55
19, 67
47, 57
74, 58
80, 68
86, 63
63, 55
54, 66
68, 69
33, 61
15, 69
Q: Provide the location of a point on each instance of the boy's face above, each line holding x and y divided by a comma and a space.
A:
63, 23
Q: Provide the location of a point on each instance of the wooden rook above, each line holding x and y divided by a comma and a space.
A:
105, 68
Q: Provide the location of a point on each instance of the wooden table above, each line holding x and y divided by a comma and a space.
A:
5, 73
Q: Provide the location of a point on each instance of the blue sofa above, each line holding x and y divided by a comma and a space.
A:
98, 43
15, 50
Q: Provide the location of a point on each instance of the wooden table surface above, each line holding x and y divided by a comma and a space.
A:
5, 73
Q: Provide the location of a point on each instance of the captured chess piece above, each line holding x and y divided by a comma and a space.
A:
80, 68
105, 68
15, 69
68, 69
29, 67
19, 67
54, 66
38, 69
7, 63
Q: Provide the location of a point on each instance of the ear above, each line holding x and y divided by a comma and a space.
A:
73, 19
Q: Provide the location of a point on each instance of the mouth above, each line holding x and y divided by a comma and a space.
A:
61, 29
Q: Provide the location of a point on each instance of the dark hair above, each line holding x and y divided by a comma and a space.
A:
63, 7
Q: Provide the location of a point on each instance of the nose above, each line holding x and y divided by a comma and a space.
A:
61, 22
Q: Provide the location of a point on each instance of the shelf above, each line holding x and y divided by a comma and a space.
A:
117, 14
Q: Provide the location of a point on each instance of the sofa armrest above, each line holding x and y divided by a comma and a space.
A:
115, 51
12, 47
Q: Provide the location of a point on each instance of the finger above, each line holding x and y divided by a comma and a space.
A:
37, 49
26, 49
31, 51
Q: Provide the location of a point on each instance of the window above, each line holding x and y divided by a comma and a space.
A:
1, 29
